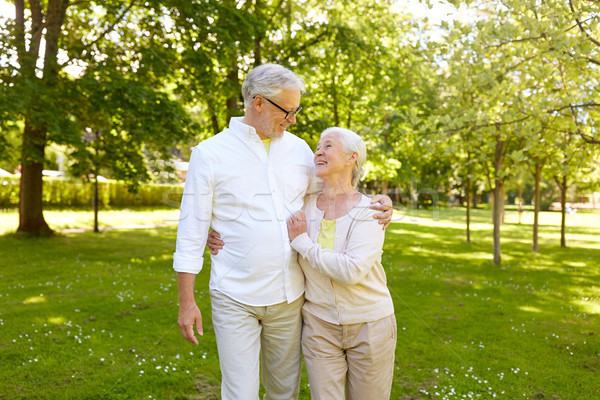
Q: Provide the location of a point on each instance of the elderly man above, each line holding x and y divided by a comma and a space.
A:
244, 183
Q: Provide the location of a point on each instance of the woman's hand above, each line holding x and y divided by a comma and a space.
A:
296, 225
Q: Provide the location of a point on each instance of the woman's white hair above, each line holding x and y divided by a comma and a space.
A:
269, 80
351, 142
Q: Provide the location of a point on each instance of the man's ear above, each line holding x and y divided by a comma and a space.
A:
257, 103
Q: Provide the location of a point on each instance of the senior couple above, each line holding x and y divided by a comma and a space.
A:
285, 282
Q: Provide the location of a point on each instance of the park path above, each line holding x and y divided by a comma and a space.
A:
115, 228
395, 218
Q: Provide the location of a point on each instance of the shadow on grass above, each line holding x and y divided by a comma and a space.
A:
460, 304
98, 313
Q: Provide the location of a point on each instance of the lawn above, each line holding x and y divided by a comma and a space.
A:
93, 316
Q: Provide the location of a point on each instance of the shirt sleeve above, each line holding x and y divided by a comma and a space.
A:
195, 216
315, 184
363, 249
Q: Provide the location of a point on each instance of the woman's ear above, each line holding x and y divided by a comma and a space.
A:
353, 156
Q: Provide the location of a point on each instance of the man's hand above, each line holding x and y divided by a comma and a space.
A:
214, 242
296, 225
384, 204
189, 315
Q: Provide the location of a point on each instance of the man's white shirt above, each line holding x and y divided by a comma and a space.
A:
246, 195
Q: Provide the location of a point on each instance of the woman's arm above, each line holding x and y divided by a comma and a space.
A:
363, 248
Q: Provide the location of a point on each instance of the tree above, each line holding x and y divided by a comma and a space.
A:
519, 61
124, 120
88, 37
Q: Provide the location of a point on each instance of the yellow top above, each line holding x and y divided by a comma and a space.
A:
267, 144
327, 235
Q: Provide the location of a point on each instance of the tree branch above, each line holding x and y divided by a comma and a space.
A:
581, 27
586, 138
20, 30
277, 7
489, 124
592, 60
55, 17
571, 106
527, 39
110, 27
306, 45
37, 27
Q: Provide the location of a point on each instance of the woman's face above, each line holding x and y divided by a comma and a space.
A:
330, 158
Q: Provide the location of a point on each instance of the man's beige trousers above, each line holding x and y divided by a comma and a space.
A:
246, 334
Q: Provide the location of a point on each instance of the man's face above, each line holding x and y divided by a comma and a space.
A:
272, 122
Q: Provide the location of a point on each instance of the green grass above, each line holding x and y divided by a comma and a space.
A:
83, 314
84, 219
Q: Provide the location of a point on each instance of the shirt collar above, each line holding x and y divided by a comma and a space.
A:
241, 129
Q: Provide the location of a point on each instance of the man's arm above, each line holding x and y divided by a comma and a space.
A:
194, 222
383, 203
189, 313
214, 242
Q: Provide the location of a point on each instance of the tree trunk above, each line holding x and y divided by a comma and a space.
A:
31, 216
498, 194
520, 203
96, 203
215, 123
410, 204
563, 211
497, 207
536, 212
468, 210
474, 184
234, 84
258, 38
336, 116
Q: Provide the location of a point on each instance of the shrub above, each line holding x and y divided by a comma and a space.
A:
59, 192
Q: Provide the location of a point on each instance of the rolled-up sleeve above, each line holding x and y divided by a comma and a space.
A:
195, 216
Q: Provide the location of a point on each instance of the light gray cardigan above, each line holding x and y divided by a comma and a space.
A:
346, 285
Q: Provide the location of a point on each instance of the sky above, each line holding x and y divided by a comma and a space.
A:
7, 9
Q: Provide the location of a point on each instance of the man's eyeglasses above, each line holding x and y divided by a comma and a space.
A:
288, 114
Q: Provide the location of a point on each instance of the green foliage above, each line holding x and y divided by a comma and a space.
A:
66, 193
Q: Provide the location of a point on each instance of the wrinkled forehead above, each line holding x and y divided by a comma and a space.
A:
331, 136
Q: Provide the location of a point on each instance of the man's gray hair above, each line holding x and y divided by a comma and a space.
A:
269, 80
351, 142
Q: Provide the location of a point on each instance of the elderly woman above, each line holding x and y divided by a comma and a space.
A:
349, 331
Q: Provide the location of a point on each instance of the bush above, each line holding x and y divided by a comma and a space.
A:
9, 192
60, 193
